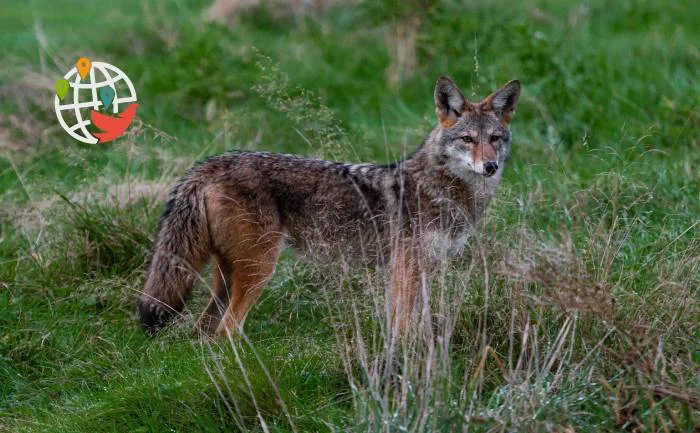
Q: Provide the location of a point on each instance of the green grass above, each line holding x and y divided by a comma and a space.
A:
591, 249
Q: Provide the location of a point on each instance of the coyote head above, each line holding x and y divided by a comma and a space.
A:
473, 137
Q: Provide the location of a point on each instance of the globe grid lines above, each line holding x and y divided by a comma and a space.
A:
76, 85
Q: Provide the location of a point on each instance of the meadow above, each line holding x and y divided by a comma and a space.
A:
575, 309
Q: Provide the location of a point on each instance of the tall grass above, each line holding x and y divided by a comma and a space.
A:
526, 333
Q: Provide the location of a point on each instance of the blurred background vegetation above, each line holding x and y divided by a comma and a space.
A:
602, 192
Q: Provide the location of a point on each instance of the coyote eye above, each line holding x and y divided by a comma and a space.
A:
494, 138
467, 139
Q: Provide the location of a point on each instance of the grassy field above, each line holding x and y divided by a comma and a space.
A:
576, 309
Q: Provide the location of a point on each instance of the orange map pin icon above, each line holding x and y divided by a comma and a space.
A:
83, 64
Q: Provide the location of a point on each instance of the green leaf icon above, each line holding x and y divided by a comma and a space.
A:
62, 88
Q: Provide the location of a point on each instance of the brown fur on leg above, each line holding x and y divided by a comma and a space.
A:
405, 283
249, 236
250, 277
222, 278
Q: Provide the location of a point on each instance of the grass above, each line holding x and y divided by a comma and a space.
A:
576, 309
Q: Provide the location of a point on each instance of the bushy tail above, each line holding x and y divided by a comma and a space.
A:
180, 249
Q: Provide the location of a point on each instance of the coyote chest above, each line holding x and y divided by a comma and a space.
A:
443, 245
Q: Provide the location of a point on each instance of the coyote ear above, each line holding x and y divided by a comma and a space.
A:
449, 102
503, 101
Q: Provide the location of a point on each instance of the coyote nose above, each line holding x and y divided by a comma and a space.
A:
490, 168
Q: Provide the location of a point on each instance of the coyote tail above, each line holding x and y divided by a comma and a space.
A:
180, 249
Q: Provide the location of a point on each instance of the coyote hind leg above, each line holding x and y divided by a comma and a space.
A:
253, 270
220, 294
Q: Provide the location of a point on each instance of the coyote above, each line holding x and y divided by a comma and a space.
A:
241, 208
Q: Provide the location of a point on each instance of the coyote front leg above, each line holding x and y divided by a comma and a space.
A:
407, 272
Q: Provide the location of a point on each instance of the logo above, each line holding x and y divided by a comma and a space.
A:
88, 100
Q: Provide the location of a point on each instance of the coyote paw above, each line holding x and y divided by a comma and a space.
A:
227, 328
206, 325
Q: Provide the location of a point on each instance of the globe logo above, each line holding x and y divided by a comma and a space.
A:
89, 99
